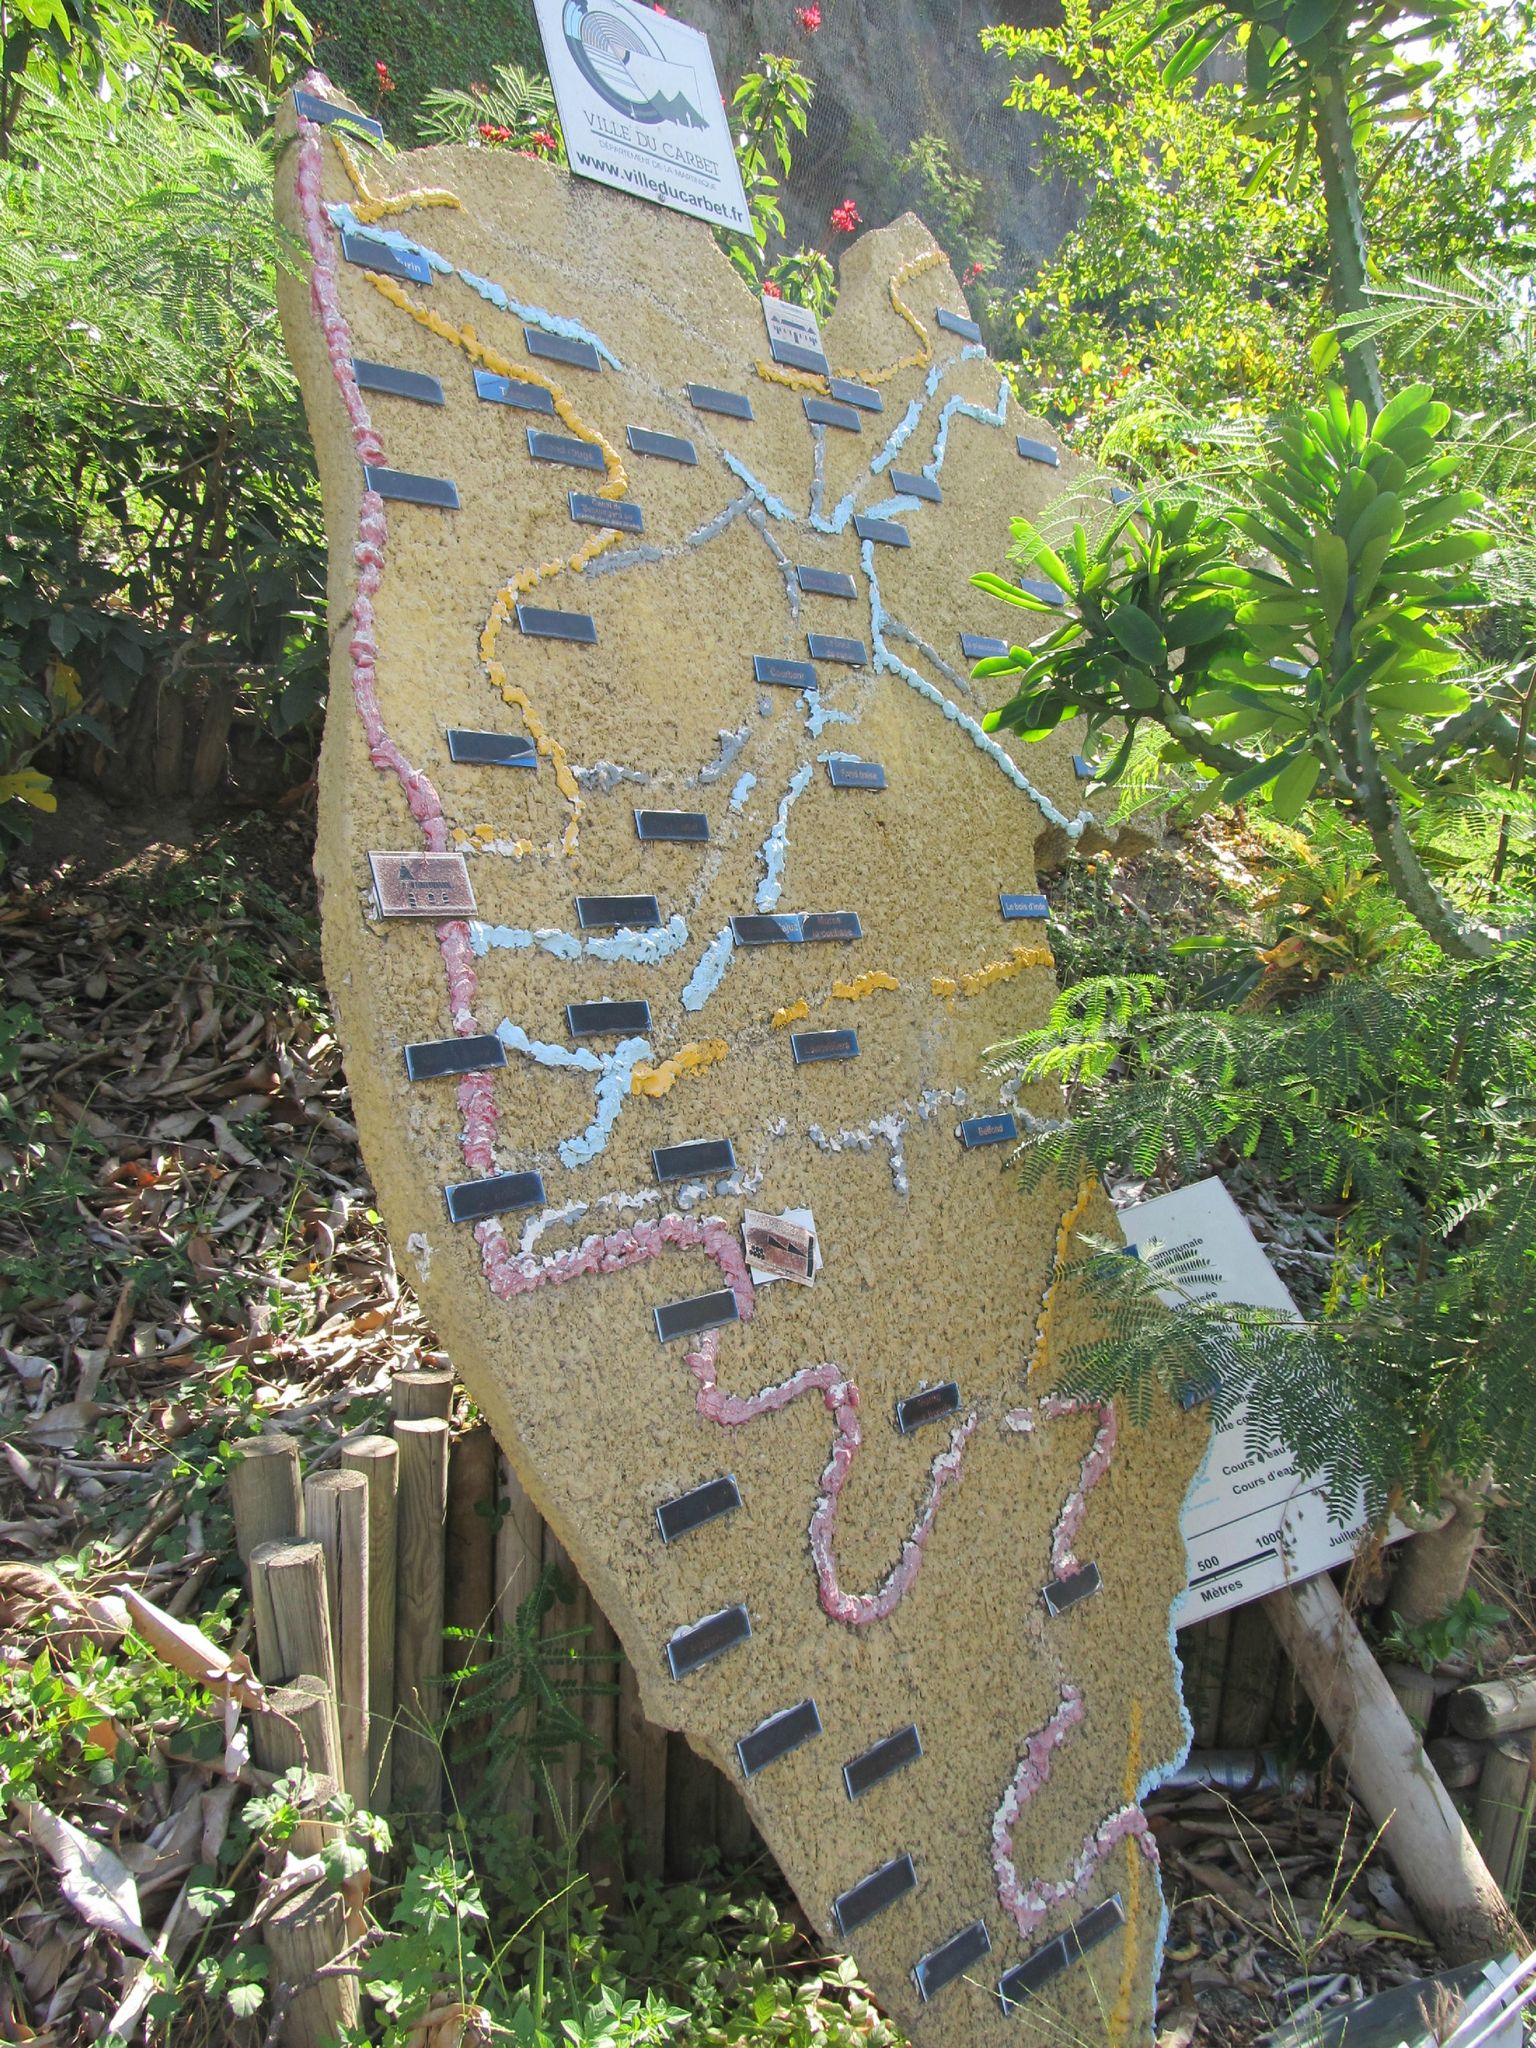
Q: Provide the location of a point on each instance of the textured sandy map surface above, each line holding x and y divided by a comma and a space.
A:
895, 1579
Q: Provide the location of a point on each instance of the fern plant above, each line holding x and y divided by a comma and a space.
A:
1404, 1104
514, 106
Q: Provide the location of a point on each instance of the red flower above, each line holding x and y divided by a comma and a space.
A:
846, 218
771, 290
976, 270
491, 132
809, 18
542, 139
386, 83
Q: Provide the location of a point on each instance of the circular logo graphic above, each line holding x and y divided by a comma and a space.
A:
625, 65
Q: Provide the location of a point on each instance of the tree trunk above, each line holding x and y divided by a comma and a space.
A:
1433, 1565
1346, 228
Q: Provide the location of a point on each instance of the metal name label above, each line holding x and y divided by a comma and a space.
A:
1023, 905
931, 1405
513, 391
872, 1894
957, 323
708, 1639
691, 826
1038, 451
885, 531
835, 647
667, 447
310, 107
882, 1760
825, 582
540, 623
981, 647
791, 675
397, 383
777, 1736
988, 1130
809, 1047
472, 1201
951, 1959
795, 358
1083, 768
590, 511
847, 392
1058, 1954
734, 405
491, 749
410, 489
1044, 589
372, 254
602, 913
846, 774
823, 412
559, 348
910, 485
701, 1312
1061, 1594
429, 1059
421, 885
789, 928
602, 1019
691, 1510
544, 447
695, 1160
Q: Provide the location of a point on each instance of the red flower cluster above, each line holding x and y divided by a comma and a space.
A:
490, 132
771, 290
809, 18
542, 139
846, 218
976, 270
386, 83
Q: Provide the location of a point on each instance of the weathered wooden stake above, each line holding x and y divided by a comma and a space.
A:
1437, 1860
1503, 1811
293, 1622
1500, 1707
377, 1459
519, 1554
1414, 1691
420, 1506
304, 1934
336, 1514
470, 1561
418, 1396
642, 1752
264, 1493
1458, 1762
299, 1730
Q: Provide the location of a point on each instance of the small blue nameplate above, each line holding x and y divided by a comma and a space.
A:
956, 323
512, 391
795, 358
835, 647
824, 412
558, 348
590, 511
910, 484
309, 107
981, 646
441, 491
397, 383
733, 405
792, 675
988, 1130
373, 254
886, 531
1022, 906
1038, 451
846, 774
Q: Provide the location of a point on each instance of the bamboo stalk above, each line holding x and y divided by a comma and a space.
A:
1503, 1811
336, 1514
264, 1492
419, 1509
304, 1935
377, 1459
1437, 1860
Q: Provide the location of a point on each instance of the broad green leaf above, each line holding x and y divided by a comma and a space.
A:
1236, 787
1425, 697
1293, 785
1010, 593
1139, 690
1138, 635
1324, 351
1198, 622
1406, 406
1449, 552
1188, 58
1330, 564
1383, 515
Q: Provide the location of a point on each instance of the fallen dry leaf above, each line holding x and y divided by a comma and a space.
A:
187, 1649
99, 1887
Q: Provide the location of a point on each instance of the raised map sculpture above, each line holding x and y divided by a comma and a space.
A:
672, 891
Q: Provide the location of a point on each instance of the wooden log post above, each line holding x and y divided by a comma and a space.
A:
264, 1492
1458, 1762
293, 1620
470, 1564
1501, 1706
1503, 1811
1438, 1862
1414, 1691
420, 1505
336, 1515
642, 1753
377, 1459
298, 1731
419, 1396
303, 1935
519, 1555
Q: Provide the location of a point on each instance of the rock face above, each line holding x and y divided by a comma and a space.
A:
921, 1610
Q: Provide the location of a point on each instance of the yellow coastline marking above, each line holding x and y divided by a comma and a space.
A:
1120, 2020
373, 205
809, 380
616, 485
864, 985
972, 984
790, 1014
1070, 1219
689, 1059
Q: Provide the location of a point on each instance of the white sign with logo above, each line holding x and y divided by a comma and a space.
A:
641, 107
794, 324
1251, 1522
